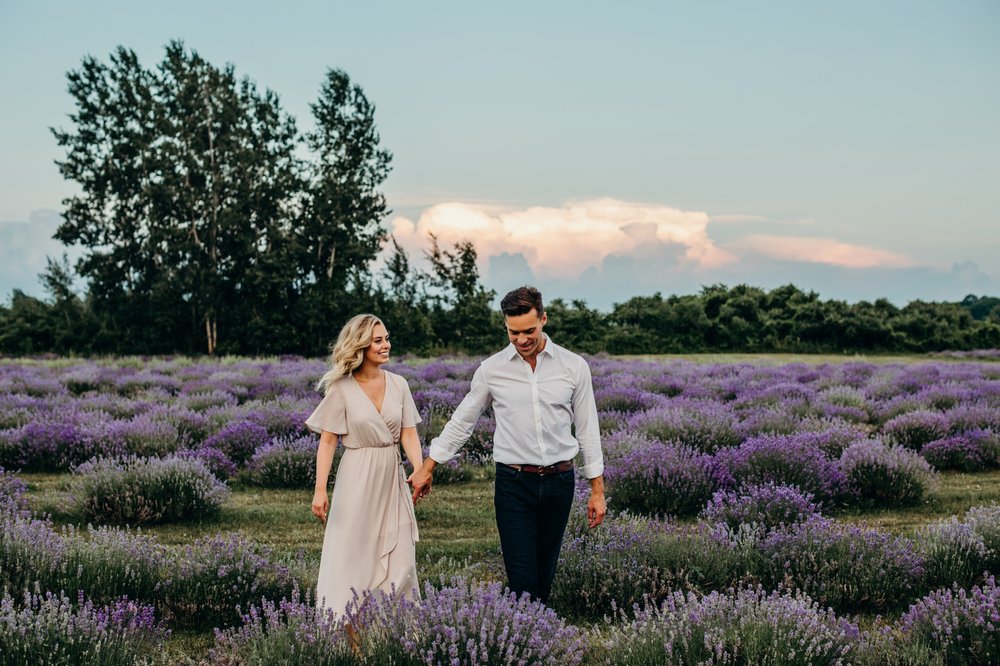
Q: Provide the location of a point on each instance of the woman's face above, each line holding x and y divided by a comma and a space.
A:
377, 352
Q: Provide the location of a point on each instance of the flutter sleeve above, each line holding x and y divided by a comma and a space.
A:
331, 414
410, 415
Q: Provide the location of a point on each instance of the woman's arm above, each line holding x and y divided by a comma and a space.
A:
324, 460
411, 447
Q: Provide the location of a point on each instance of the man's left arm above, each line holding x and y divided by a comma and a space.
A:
588, 434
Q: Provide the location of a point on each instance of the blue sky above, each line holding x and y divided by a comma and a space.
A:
600, 150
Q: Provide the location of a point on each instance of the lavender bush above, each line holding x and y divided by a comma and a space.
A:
459, 624
664, 479
970, 451
953, 554
846, 567
12, 493
881, 476
768, 505
748, 626
985, 522
916, 428
137, 490
963, 627
50, 629
702, 425
285, 463
614, 564
470, 623
792, 460
239, 440
216, 576
217, 462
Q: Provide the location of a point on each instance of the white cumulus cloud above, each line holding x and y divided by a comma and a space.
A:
563, 242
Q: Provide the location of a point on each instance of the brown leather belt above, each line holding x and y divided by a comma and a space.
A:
563, 466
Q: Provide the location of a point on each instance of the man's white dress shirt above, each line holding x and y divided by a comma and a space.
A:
534, 411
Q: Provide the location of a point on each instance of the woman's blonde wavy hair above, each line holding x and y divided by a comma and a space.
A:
349, 349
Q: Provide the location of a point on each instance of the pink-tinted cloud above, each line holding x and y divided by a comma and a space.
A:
820, 251
563, 242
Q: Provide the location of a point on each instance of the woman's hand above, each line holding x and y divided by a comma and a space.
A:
320, 506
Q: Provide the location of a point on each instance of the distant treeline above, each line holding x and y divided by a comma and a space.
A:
209, 223
718, 319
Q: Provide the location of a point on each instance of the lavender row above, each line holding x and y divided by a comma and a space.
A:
477, 624
202, 584
776, 537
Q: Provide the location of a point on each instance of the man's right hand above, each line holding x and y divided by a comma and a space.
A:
420, 480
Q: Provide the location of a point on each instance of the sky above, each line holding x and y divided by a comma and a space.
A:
597, 150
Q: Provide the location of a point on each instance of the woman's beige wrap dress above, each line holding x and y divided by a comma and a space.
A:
370, 527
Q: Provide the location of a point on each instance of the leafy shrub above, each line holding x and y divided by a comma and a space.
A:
137, 490
69, 633
768, 505
953, 554
217, 575
846, 567
663, 479
970, 451
702, 425
962, 627
12, 493
985, 522
625, 399
616, 563
792, 460
239, 440
916, 428
458, 624
285, 463
215, 460
748, 626
883, 476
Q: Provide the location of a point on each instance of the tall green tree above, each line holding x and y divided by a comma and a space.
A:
462, 315
341, 230
205, 215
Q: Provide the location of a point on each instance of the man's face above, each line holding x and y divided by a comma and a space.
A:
525, 332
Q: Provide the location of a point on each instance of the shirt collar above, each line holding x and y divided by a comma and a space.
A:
549, 349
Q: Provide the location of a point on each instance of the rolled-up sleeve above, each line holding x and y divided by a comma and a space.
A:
588, 431
457, 431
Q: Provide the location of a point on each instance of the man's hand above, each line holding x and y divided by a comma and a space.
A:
596, 506
420, 480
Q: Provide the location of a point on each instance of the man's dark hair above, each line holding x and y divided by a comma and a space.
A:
521, 301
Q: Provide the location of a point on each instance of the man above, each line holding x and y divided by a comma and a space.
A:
540, 393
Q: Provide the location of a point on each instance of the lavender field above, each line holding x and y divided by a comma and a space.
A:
156, 510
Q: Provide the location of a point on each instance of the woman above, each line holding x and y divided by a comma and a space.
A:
371, 529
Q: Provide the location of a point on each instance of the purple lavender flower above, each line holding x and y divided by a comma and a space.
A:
76, 633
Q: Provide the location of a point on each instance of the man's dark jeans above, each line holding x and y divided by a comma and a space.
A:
532, 511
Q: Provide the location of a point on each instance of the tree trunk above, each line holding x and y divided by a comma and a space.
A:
211, 334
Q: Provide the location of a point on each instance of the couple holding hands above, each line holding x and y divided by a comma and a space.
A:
543, 403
